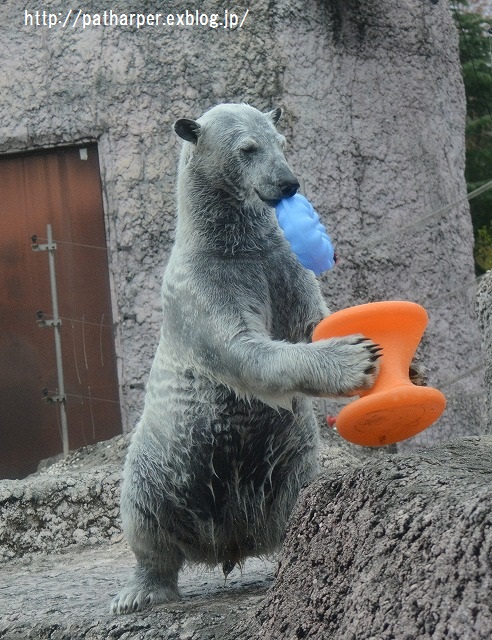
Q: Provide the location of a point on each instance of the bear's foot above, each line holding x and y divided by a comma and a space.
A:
135, 598
145, 589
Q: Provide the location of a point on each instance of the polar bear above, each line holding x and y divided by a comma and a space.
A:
228, 435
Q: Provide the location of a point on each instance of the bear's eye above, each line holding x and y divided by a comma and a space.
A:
249, 147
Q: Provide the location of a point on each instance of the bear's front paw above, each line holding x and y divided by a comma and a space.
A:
358, 364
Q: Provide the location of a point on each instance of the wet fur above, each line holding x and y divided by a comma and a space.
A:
228, 437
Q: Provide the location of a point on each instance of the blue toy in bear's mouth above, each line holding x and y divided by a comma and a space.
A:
305, 233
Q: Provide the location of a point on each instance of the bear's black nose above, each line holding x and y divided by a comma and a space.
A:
289, 188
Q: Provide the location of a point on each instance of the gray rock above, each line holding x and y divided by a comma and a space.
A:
484, 307
45, 513
397, 548
74, 501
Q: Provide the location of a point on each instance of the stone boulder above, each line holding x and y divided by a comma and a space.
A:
398, 547
72, 502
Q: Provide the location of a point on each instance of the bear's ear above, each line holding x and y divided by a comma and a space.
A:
187, 129
275, 115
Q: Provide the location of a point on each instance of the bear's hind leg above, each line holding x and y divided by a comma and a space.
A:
155, 581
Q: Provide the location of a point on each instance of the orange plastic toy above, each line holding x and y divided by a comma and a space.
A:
394, 409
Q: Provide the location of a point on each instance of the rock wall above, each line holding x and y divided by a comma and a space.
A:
374, 116
45, 515
74, 502
484, 308
396, 548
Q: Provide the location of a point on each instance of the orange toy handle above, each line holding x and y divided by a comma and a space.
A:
394, 409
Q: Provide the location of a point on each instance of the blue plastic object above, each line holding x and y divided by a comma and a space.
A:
305, 233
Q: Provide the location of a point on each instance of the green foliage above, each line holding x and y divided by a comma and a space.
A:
476, 60
483, 248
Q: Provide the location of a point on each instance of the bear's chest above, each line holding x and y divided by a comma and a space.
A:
292, 304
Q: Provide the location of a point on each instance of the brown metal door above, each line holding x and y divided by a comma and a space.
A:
61, 187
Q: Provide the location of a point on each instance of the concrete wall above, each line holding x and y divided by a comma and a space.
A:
374, 115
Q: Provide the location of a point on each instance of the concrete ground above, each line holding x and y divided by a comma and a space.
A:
66, 595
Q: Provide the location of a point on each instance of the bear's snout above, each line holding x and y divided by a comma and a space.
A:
285, 186
289, 187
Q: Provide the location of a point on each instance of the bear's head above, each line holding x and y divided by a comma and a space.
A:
235, 148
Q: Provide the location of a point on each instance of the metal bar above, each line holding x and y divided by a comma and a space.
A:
58, 350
